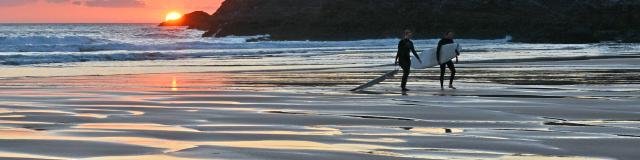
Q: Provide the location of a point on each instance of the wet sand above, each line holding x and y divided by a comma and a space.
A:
577, 109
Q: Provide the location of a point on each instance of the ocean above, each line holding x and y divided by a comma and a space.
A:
73, 45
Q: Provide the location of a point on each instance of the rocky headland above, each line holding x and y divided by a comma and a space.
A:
532, 21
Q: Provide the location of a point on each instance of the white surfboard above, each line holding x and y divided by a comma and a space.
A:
429, 57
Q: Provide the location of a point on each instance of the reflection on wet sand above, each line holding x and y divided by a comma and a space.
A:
169, 145
176, 116
312, 131
21, 122
381, 140
175, 146
174, 84
2, 111
142, 157
434, 130
395, 131
12, 116
132, 113
299, 145
539, 157
17, 133
134, 126
91, 115
12, 155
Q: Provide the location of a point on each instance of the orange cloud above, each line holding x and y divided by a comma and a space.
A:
98, 11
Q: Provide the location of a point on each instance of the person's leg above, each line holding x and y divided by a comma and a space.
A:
442, 69
406, 70
452, 68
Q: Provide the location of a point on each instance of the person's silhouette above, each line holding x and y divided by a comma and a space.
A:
403, 58
447, 39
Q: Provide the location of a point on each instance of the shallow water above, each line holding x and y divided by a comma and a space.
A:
107, 49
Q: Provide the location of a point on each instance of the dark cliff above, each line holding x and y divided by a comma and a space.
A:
195, 20
538, 21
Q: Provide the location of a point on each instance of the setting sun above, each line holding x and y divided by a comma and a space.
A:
173, 16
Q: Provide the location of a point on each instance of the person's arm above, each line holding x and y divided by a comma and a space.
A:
457, 52
413, 50
438, 52
398, 53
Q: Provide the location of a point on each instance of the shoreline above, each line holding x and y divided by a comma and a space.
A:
93, 68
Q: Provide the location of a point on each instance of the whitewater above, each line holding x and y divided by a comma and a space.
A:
33, 44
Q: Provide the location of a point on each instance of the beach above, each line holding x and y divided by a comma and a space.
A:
580, 108
138, 91
319, 80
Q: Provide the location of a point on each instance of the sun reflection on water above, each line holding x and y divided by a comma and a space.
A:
174, 84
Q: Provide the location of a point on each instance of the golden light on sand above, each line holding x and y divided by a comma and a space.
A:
172, 16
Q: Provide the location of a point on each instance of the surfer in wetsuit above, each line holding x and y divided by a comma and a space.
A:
447, 39
403, 58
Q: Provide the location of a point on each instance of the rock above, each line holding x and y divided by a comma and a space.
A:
631, 37
212, 33
195, 20
258, 39
535, 21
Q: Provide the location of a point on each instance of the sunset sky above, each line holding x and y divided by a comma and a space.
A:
98, 11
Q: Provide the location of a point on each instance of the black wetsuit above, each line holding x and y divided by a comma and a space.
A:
404, 59
449, 63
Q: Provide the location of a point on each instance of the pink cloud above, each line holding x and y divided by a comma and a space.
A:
10, 3
98, 11
115, 3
